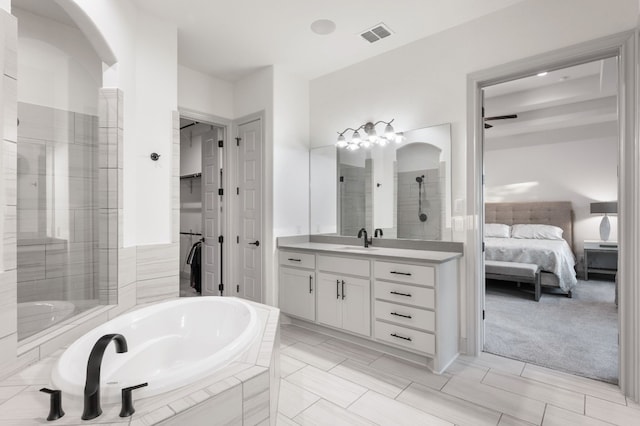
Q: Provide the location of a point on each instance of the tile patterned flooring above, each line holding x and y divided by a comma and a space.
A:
326, 381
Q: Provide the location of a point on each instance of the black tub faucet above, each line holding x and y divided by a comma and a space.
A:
362, 232
92, 386
376, 232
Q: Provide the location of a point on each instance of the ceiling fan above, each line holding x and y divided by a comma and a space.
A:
498, 117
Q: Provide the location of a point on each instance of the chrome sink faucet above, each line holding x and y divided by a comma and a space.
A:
367, 241
92, 385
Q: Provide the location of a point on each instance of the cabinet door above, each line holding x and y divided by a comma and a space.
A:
297, 293
329, 300
356, 306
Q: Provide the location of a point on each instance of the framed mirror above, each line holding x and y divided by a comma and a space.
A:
403, 189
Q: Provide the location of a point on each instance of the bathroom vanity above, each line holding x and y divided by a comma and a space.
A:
405, 300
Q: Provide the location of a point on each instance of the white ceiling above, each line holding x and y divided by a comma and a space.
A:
570, 104
232, 38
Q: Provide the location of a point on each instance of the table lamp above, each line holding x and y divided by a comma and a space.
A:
610, 207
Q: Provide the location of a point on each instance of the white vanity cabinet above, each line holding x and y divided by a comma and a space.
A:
416, 308
400, 300
344, 300
297, 284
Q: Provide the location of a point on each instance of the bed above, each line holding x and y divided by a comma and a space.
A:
555, 257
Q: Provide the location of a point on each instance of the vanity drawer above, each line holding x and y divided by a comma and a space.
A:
344, 265
422, 297
406, 315
414, 274
405, 337
299, 259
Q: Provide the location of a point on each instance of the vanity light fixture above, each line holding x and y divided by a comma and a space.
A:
370, 136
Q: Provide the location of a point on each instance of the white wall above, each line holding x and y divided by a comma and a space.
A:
146, 71
156, 98
580, 171
58, 68
424, 83
290, 154
205, 94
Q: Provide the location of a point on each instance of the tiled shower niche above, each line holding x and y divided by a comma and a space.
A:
57, 206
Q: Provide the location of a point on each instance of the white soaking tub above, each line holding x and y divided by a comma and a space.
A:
170, 344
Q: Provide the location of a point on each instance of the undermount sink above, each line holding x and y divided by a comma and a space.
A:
355, 248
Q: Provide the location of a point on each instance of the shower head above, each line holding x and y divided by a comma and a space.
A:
419, 179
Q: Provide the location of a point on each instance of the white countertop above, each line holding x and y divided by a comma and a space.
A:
373, 251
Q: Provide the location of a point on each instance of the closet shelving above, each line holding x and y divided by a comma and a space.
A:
190, 178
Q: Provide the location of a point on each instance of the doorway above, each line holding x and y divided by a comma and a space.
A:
550, 147
624, 46
201, 165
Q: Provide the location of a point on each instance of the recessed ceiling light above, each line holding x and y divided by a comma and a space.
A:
323, 26
542, 74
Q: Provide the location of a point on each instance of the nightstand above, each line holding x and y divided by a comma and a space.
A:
600, 257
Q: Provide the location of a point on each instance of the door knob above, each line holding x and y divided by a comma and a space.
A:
256, 243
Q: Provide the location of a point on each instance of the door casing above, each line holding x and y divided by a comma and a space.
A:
624, 46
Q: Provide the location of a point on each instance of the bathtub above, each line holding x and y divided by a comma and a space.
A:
33, 317
171, 344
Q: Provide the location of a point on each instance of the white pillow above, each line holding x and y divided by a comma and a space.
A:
497, 230
540, 232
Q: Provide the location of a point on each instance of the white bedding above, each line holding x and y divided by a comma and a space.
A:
553, 256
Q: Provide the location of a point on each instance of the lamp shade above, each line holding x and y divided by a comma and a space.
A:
604, 208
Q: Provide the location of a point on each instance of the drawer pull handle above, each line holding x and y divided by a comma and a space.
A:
401, 315
400, 294
294, 260
401, 273
310, 279
400, 337
343, 295
337, 289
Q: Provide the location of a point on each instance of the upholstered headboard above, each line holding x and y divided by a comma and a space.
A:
557, 213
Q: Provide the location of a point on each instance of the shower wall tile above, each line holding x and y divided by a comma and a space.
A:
126, 266
111, 101
108, 228
10, 38
83, 226
108, 195
9, 95
8, 309
9, 345
107, 275
31, 262
9, 165
157, 261
108, 147
156, 289
81, 160
32, 154
126, 300
44, 123
10, 238
85, 129
68, 259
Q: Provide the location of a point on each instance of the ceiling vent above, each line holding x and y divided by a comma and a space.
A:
376, 33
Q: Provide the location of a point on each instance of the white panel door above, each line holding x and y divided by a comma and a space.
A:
210, 216
249, 285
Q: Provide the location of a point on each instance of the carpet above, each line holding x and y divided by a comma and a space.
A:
577, 335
